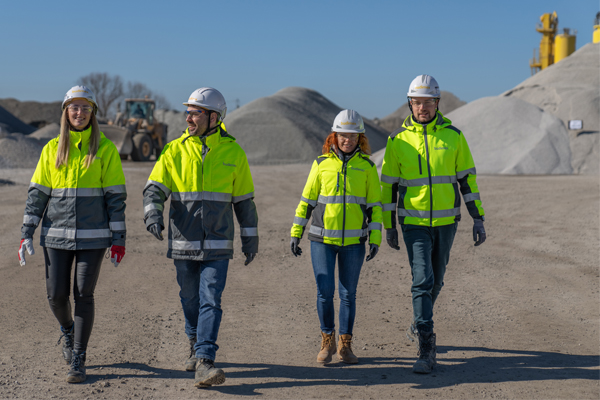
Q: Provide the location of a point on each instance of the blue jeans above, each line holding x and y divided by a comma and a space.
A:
202, 284
428, 251
350, 260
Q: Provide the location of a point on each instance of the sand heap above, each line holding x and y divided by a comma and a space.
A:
289, 127
570, 89
510, 136
11, 124
33, 112
449, 102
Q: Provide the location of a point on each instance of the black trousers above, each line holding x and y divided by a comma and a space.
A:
59, 264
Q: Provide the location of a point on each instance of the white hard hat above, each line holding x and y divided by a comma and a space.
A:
348, 121
208, 98
424, 86
80, 92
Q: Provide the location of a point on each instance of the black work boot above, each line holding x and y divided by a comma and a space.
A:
207, 374
427, 353
77, 372
67, 348
190, 363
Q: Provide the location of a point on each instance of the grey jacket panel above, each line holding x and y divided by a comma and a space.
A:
115, 207
245, 212
154, 204
37, 200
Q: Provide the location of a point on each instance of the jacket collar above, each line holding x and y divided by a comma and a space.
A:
80, 136
438, 123
219, 136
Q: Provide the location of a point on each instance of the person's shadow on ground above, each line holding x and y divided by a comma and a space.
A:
496, 366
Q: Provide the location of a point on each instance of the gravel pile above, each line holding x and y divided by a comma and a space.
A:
449, 102
289, 127
19, 151
47, 133
570, 89
11, 124
33, 112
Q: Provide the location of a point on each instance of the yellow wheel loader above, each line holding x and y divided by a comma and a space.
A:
135, 131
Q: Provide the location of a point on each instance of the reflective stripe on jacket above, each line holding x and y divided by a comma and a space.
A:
423, 169
207, 178
344, 200
82, 208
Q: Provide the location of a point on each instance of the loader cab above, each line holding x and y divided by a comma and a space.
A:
140, 109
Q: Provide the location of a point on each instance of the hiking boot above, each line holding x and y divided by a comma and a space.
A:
67, 348
207, 374
345, 350
328, 348
190, 363
412, 333
427, 352
77, 372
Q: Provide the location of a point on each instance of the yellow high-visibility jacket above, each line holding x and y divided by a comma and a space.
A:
423, 167
343, 196
205, 177
82, 208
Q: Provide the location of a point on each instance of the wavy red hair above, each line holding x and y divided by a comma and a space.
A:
331, 140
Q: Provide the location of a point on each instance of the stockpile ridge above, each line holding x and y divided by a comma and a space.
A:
289, 126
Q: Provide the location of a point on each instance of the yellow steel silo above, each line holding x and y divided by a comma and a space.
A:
564, 45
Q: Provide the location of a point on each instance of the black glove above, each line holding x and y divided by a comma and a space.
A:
296, 250
478, 230
373, 249
391, 235
156, 230
249, 258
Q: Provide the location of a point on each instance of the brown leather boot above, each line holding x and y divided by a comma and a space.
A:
328, 348
345, 350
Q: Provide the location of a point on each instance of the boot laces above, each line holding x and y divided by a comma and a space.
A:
326, 342
68, 335
76, 361
425, 348
208, 363
347, 343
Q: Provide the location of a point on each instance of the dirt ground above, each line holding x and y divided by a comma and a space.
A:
518, 317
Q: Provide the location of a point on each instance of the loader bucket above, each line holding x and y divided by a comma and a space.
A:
121, 137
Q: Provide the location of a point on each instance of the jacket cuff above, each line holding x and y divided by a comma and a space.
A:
27, 232
118, 239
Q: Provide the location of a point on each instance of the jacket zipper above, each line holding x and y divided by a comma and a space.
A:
420, 167
202, 160
345, 172
429, 172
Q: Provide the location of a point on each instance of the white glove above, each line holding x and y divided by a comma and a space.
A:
25, 244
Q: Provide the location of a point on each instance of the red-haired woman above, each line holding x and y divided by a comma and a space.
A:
343, 196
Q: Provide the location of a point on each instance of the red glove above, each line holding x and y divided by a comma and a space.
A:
116, 254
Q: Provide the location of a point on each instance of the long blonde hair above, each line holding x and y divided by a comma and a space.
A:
64, 141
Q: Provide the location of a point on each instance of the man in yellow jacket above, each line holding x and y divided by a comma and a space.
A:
427, 163
206, 173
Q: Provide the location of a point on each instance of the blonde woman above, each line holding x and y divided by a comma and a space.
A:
78, 194
343, 196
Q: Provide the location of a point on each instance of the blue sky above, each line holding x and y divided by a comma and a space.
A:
359, 54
